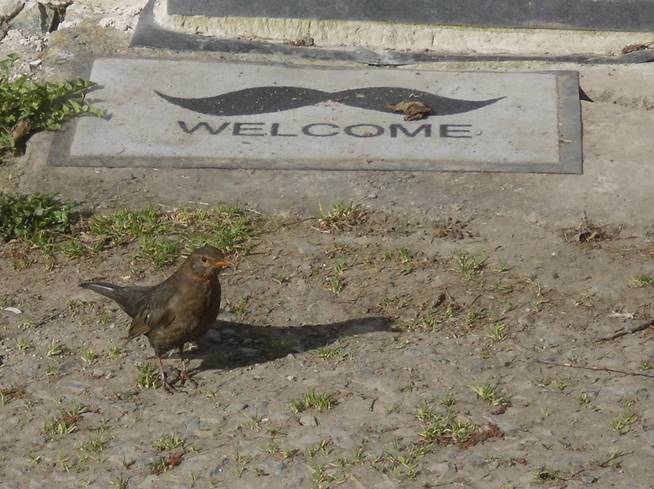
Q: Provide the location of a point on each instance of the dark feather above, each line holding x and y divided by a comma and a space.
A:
130, 298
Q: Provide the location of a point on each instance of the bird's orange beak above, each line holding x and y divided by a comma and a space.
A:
220, 264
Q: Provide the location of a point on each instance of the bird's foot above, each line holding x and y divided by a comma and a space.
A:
184, 376
168, 387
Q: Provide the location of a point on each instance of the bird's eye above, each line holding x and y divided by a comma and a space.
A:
204, 259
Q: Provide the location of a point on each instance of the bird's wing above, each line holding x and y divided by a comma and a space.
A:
155, 314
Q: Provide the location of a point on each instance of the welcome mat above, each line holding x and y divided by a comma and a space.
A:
194, 114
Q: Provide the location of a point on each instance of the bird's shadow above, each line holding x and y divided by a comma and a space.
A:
231, 345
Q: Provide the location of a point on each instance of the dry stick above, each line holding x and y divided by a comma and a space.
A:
624, 332
597, 369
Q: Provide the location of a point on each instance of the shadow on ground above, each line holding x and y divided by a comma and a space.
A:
232, 345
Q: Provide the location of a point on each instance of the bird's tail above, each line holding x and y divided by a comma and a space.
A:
129, 298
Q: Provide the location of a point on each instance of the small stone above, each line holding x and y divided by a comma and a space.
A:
236, 407
478, 366
570, 462
272, 467
553, 340
219, 469
100, 373
74, 387
106, 22
648, 436
441, 468
308, 420
588, 478
476, 460
307, 249
291, 378
146, 462
196, 424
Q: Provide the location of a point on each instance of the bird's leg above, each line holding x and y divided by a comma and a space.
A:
184, 375
164, 382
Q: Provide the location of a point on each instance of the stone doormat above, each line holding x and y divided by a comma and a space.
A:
193, 114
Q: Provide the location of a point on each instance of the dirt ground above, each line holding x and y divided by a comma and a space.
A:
395, 321
447, 347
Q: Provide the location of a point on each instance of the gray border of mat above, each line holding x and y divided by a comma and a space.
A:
570, 149
605, 15
149, 34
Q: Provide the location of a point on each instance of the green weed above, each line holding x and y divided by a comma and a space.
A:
28, 106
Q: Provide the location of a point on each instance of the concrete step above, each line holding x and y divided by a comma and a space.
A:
514, 27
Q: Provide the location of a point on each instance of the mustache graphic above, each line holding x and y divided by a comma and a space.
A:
265, 100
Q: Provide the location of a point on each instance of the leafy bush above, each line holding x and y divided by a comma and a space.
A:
35, 218
27, 106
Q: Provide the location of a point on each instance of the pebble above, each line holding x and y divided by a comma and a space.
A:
308, 419
570, 461
99, 373
272, 467
588, 478
306, 248
442, 468
236, 407
648, 436
74, 387
476, 460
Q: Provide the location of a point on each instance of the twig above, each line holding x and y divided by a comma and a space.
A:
597, 369
623, 332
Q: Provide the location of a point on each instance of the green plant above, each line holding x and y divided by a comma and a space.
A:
35, 218
622, 424
336, 353
168, 441
119, 483
497, 333
56, 349
341, 216
318, 400
336, 285
641, 281
123, 226
89, 357
148, 377
469, 266
24, 345
159, 251
27, 106
95, 445
490, 393
66, 423
444, 428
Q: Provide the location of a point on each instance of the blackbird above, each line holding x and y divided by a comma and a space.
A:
180, 309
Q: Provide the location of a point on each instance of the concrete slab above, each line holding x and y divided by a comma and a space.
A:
161, 27
612, 15
192, 114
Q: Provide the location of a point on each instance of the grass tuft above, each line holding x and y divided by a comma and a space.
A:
341, 217
469, 266
317, 400
641, 281
491, 394
168, 441
148, 377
